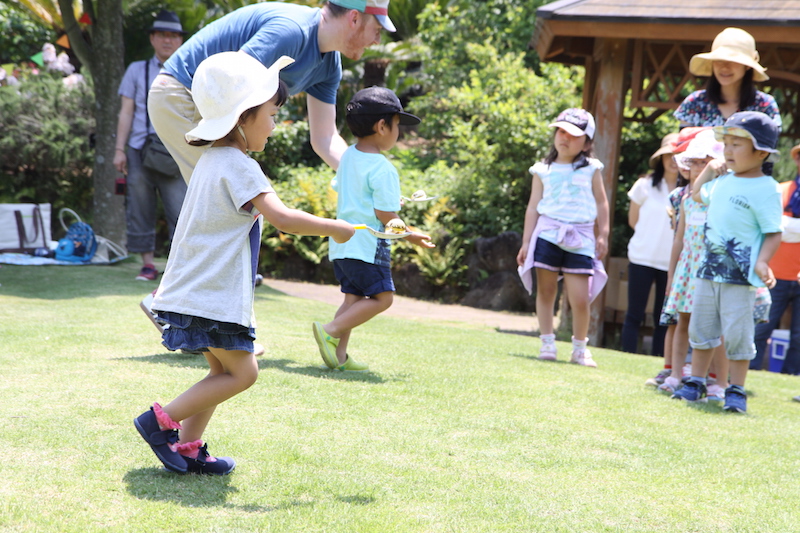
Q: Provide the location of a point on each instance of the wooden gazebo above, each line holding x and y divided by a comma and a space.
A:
641, 49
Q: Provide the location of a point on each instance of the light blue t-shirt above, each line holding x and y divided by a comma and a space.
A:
267, 31
740, 212
568, 197
364, 182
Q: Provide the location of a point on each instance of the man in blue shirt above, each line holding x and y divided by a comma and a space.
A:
313, 37
133, 127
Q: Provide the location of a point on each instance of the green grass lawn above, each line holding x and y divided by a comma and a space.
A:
456, 429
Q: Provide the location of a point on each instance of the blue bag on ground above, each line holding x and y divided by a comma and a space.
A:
79, 244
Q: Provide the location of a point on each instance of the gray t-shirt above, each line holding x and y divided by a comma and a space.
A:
209, 271
134, 86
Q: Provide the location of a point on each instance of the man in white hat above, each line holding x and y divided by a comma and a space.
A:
314, 37
133, 128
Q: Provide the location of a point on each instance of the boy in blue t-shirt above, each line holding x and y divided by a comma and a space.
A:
742, 232
368, 190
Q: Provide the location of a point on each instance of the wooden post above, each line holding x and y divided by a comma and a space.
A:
610, 67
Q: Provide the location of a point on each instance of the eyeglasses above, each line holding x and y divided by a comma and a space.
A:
696, 162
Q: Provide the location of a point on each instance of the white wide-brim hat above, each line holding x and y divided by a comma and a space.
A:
731, 44
703, 145
226, 85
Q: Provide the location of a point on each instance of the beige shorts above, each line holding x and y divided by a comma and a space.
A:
173, 113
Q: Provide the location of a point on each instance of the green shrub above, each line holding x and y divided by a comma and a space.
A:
45, 152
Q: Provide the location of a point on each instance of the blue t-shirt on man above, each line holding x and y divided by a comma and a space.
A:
740, 212
267, 31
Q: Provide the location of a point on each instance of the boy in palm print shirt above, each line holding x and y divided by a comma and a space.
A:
742, 232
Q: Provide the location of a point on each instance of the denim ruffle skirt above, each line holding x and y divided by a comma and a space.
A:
193, 333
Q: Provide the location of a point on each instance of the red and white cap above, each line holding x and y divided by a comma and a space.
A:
379, 8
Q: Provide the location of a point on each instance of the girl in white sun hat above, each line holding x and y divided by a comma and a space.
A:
732, 68
206, 295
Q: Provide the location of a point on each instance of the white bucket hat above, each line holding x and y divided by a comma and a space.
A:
731, 44
703, 145
226, 85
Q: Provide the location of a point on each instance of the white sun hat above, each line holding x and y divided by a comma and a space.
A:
226, 85
731, 44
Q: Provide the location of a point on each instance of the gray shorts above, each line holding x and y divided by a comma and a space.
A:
723, 310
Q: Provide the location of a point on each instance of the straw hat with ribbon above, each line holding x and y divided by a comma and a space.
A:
667, 147
731, 44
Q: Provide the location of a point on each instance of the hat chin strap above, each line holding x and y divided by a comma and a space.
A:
241, 132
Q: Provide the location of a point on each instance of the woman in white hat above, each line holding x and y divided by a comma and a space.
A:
732, 68
206, 294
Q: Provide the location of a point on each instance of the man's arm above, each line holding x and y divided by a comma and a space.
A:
123, 130
325, 139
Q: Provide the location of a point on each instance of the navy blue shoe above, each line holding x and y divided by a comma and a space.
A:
217, 466
735, 399
692, 391
162, 442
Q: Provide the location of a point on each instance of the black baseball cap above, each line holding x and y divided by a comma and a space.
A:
379, 101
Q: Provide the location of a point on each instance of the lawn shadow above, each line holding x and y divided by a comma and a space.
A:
357, 499
178, 359
191, 490
524, 333
535, 358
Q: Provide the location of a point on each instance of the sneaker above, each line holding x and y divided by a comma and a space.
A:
692, 391
258, 349
583, 357
715, 393
735, 399
327, 346
353, 366
147, 273
164, 443
548, 351
796, 398
670, 385
204, 463
145, 304
660, 377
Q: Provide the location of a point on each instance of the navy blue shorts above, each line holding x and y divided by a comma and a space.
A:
551, 257
194, 333
362, 279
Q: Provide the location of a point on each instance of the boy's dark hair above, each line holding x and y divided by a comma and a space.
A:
281, 95
364, 125
336, 10
581, 160
747, 92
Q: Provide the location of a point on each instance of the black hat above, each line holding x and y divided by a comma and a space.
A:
379, 101
167, 21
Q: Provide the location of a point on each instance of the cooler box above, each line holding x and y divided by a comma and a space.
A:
778, 346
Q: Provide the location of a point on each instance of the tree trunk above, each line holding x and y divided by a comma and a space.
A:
101, 50
107, 70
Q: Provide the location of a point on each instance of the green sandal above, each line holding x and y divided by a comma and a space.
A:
327, 345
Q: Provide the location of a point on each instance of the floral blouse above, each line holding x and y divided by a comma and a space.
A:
697, 110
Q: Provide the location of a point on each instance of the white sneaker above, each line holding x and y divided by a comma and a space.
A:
548, 351
715, 393
583, 357
670, 384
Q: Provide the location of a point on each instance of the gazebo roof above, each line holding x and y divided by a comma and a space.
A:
725, 12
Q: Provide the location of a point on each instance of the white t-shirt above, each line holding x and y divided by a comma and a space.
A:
651, 243
209, 270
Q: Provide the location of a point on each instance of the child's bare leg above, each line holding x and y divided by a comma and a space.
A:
577, 287
546, 291
720, 365
680, 344
358, 312
668, 338
701, 359
231, 372
738, 371
344, 339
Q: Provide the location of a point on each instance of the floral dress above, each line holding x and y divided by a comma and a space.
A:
681, 294
697, 110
